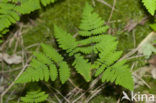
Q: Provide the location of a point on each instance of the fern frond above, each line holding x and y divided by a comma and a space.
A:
64, 72
150, 5
51, 53
8, 15
27, 6
91, 23
10, 12
83, 67
34, 97
44, 67
46, 2
114, 71
53, 72
63, 39
120, 74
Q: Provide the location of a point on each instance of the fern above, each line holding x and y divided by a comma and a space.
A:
10, 12
91, 23
83, 67
150, 5
34, 97
111, 70
92, 50
44, 67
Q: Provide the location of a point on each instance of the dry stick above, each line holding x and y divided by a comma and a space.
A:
12, 84
93, 2
6, 90
93, 95
133, 51
12, 70
84, 93
142, 80
74, 85
49, 87
134, 38
57, 98
97, 90
114, 3
105, 3
61, 95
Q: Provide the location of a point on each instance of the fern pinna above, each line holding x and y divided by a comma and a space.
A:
150, 6
92, 50
10, 11
34, 97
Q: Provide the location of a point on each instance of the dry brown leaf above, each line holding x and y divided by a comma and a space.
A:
13, 59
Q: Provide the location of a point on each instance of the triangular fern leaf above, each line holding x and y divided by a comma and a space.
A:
91, 23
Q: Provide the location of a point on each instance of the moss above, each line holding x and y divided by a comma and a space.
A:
67, 14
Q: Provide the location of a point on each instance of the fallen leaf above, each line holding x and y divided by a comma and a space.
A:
146, 47
13, 59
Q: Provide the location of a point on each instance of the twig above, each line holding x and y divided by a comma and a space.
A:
114, 3
6, 90
142, 80
12, 70
97, 90
105, 3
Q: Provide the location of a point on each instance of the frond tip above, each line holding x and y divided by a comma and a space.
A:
34, 97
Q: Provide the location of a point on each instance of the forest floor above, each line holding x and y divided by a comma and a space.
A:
127, 19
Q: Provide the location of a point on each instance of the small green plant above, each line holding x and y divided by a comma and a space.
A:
11, 10
34, 97
150, 6
92, 50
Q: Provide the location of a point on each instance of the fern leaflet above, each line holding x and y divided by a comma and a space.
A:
34, 97
150, 5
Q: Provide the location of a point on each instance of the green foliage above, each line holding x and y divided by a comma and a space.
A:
91, 49
10, 11
83, 67
34, 97
150, 5
153, 26
44, 67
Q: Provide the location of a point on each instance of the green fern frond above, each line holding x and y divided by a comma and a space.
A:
63, 39
83, 67
8, 15
91, 23
51, 53
103, 47
27, 6
44, 67
46, 2
114, 71
150, 5
120, 74
34, 97
10, 12
64, 72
